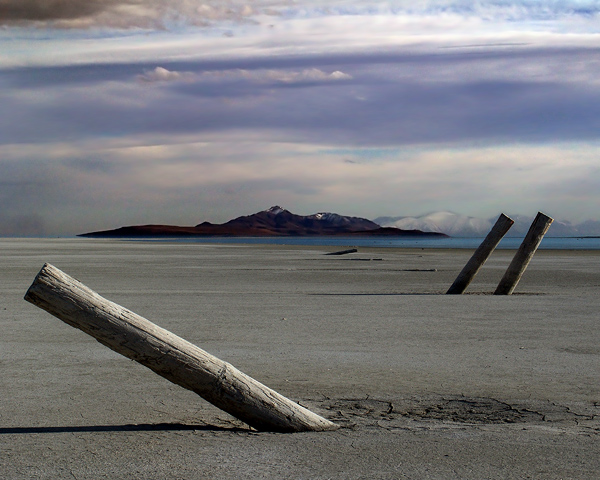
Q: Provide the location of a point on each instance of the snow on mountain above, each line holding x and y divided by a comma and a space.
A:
275, 210
327, 218
337, 220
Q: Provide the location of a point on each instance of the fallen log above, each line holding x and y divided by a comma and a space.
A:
343, 252
170, 356
489, 244
524, 254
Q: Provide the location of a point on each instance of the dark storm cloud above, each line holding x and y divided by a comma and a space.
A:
16, 11
120, 14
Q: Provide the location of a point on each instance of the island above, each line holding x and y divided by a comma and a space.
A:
275, 221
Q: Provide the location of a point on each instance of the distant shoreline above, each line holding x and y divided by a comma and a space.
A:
404, 234
406, 241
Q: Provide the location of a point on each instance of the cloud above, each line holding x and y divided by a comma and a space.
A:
15, 11
107, 183
120, 13
366, 108
515, 95
296, 33
284, 76
307, 75
148, 14
160, 74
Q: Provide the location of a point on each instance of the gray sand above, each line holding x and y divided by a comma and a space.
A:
425, 385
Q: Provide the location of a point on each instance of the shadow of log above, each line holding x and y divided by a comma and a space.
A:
142, 427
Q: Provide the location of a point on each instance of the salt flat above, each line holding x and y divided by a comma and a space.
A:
425, 385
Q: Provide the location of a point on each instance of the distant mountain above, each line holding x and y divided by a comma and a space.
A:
463, 226
275, 221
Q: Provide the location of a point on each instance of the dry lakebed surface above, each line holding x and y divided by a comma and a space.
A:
424, 385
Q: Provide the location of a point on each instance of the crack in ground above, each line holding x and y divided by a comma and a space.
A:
401, 413
474, 410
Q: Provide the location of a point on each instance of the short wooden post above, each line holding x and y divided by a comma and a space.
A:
480, 255
524, 254
170, 356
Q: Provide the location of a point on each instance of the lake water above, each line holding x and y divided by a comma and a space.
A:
549, 243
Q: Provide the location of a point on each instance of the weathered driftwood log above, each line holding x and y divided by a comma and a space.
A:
343, 252
524, 254
467, 274
170, 356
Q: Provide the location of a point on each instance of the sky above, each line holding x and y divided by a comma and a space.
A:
127, 112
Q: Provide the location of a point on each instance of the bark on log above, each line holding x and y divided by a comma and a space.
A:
170, 356
467, 274
524, 254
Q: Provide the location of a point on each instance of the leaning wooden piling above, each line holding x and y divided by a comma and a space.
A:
467, 274
169, 356
524, 254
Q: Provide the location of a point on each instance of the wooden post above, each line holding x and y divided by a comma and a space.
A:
170, 356
480, 256
524, 254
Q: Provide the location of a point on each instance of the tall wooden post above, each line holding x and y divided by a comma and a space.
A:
480, 255
524, 254
170, 356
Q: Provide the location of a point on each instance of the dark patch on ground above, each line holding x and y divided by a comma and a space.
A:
473, 410
448, 410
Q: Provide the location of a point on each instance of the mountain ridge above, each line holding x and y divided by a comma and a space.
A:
275, 221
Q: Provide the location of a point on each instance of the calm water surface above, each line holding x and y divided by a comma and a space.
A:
556, 243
